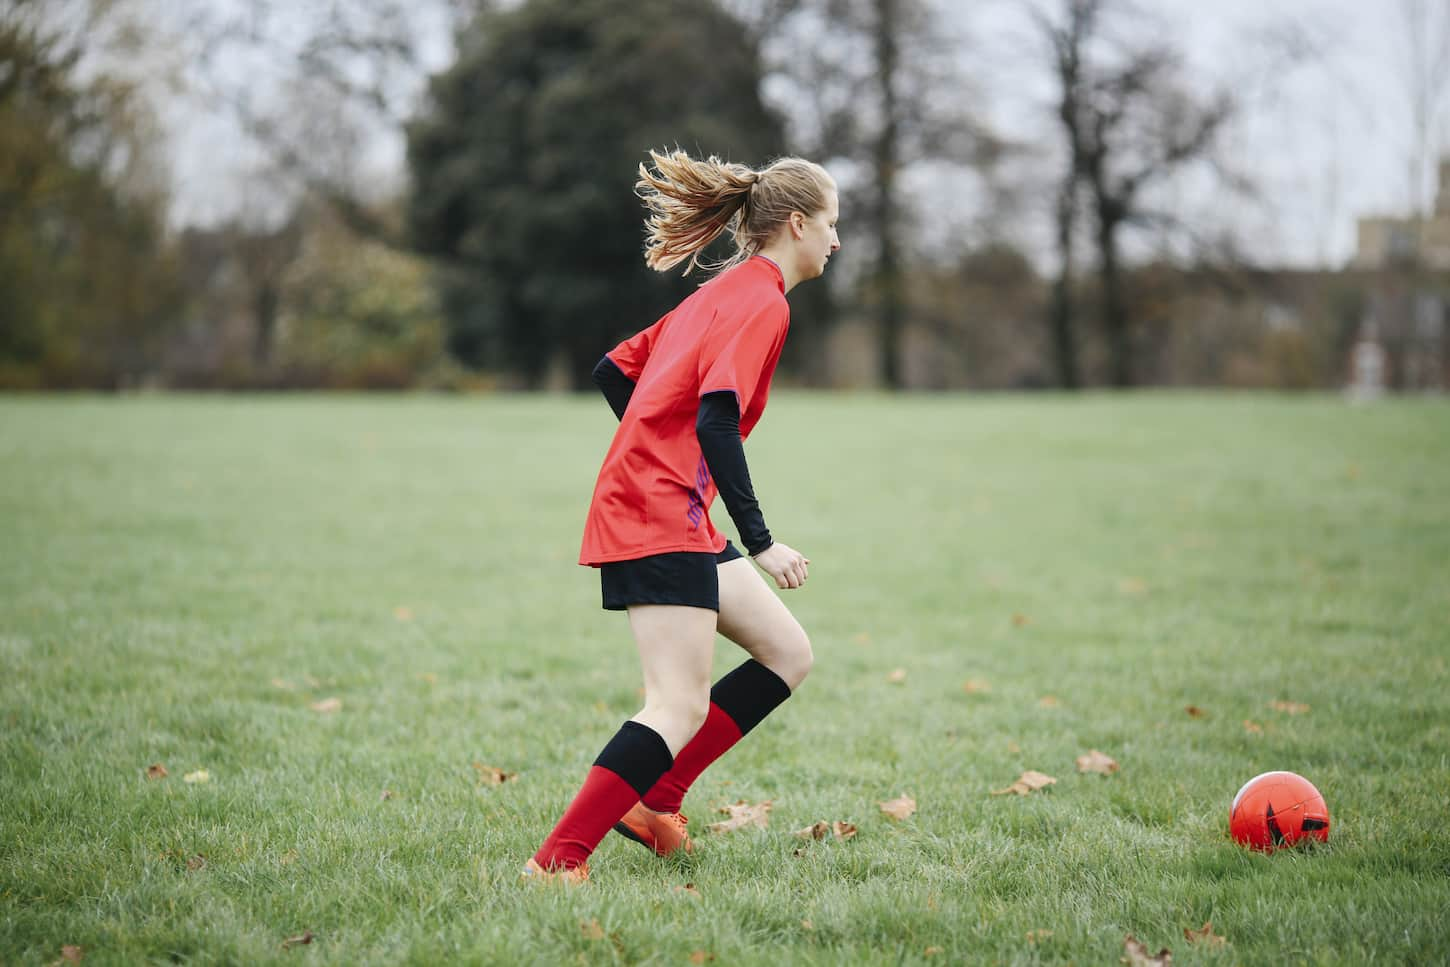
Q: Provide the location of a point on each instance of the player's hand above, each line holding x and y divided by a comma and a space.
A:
789, 567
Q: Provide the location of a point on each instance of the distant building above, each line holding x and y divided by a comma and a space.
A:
1386, 240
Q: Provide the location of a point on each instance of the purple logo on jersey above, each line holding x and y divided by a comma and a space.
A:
696, 507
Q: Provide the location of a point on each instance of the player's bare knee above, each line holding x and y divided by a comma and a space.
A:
794, 659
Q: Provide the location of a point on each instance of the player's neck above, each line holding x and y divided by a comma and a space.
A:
783, 261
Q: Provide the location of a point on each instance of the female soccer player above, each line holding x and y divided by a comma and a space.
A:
688, 390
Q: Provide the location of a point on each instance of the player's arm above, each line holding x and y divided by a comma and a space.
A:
616, 387
718, 430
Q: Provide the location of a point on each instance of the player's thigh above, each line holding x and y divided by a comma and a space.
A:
676, 646
754, 617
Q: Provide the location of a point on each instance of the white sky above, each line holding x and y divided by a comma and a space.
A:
1328, 142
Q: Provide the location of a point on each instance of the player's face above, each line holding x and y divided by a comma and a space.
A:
818, 238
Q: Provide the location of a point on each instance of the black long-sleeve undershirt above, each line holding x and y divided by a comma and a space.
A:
717, 427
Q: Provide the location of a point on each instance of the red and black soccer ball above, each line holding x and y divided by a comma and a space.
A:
1278, 809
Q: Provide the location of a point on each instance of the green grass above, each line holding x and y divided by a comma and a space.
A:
180, 578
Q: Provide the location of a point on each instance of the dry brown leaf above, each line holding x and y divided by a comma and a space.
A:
156, 771
1048, 701
1132, 585
807, 925
1135, 954
591, 929
897, 676
1027, 782
387, 794
816, 830
688, 890
1019, 620
1095, 761
1252, 727
701, 957
974, 686
492, 775
72, 953
899, 808
742, 815
1293, 708
1013, 748
283, 684
301, 940
326, 706
1204, 935
1035, 937
403, 613
200, 775
1194, 712
843, 831
197, 862
931, 951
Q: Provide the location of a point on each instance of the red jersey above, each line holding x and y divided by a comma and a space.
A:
654, 490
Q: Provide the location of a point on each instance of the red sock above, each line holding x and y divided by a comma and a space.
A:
737, 704
632, 762
713, 740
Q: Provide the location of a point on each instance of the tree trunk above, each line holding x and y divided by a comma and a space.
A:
264, 306
888, 267
1114, 310
1064, 342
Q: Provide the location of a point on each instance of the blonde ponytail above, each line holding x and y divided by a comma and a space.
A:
691, 203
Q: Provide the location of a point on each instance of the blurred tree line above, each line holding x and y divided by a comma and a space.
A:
512, 254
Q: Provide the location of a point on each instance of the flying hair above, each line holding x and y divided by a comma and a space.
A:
693, 202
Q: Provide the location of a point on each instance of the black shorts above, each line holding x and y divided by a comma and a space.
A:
687, 578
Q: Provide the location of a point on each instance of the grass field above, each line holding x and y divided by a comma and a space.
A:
183, 579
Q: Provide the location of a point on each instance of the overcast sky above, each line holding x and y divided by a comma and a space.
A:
1328, 141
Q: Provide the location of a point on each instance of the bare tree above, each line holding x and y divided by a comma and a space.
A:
1130, 123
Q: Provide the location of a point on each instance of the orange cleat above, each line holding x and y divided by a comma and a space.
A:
662, 832
535, 873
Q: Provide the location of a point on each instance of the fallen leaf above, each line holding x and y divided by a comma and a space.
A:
1019, 620
387, 794
156, 771
1095, 761
807, 925
864, 638
200, 775
327, 706
897, 676
1252, 727
1194, 712
197, 862
492, 775
1013, 748
816, 830
403, 613
301, 940
1293, 708
429, 677
931, 951
843, 831
899, 808
288, 858
1136, 955
701, 957
1048, 701
688, 890
72, 953
974, 686
1204, 935
1027, 782
1132, 585
742, 815
591, 930
283, 684
1035, 937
